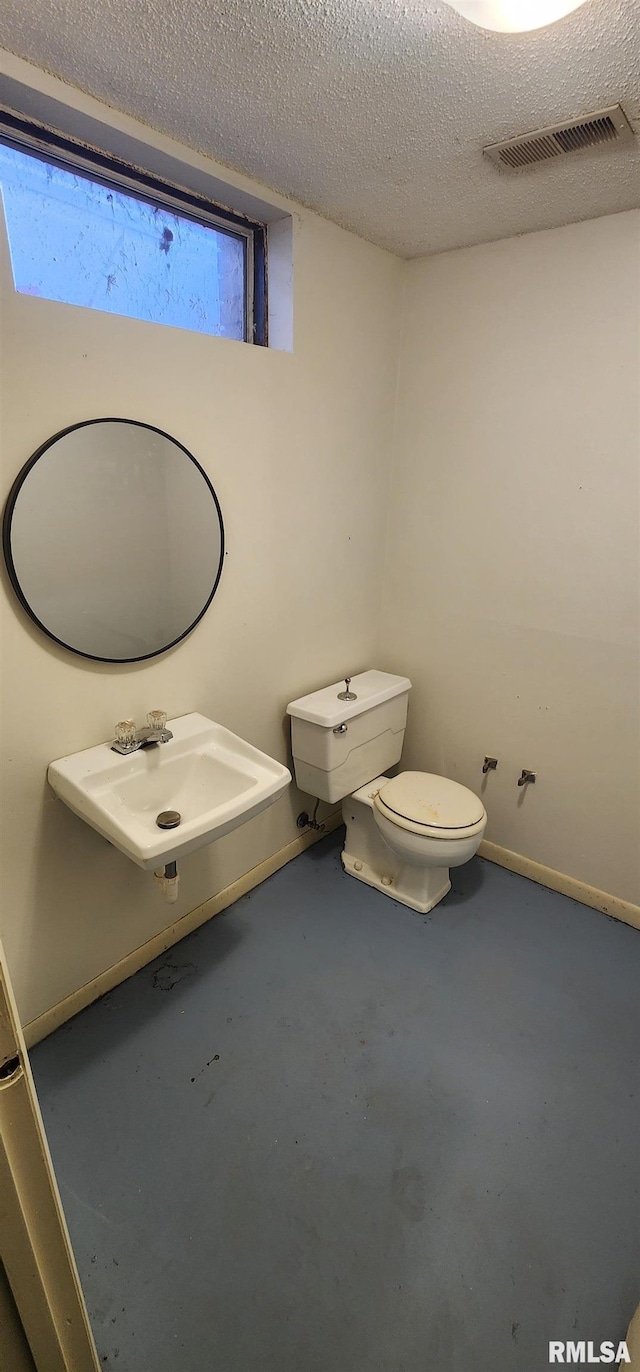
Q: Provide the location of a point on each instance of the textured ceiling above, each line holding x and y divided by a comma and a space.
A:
373, 112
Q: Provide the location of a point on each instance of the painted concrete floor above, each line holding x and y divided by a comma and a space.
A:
326, 1134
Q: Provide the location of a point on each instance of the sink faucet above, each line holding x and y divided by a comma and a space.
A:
128, 739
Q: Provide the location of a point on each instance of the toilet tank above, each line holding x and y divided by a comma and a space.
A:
339, 745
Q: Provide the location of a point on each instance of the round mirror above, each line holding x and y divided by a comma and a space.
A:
113, 539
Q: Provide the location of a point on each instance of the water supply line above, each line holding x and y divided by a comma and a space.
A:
305, 821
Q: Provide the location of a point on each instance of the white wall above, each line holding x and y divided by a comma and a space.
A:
511, 593
297, 446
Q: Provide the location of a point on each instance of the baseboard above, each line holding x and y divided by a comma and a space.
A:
45, 1024
567, 886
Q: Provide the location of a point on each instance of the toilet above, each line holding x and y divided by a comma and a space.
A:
403, 832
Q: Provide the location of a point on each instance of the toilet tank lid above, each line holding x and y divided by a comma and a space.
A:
372, 688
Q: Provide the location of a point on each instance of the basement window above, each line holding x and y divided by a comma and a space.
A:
88, 231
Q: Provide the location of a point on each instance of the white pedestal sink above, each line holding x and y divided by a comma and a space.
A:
213, 778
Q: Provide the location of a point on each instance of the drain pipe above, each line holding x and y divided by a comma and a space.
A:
167, 876
168, 879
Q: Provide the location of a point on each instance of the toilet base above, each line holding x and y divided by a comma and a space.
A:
367, 857
418, 888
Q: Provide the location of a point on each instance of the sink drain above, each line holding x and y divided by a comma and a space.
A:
168, 819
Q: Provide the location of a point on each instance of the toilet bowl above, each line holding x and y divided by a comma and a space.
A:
425, 818
403, 833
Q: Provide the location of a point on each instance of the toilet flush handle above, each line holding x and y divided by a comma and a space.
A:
348, 694
340, 729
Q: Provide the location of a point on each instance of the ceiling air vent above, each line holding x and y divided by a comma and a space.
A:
603, 126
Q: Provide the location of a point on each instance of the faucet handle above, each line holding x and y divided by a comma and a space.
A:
157, 719
125, 733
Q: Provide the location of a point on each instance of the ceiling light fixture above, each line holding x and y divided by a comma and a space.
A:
513, 16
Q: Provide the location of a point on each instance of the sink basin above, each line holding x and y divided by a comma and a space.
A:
213, 778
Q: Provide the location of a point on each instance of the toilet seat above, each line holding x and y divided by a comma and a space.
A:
435, 806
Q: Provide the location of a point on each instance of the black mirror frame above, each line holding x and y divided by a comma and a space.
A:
6, 537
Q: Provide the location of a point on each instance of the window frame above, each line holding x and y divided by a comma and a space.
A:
50, 145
